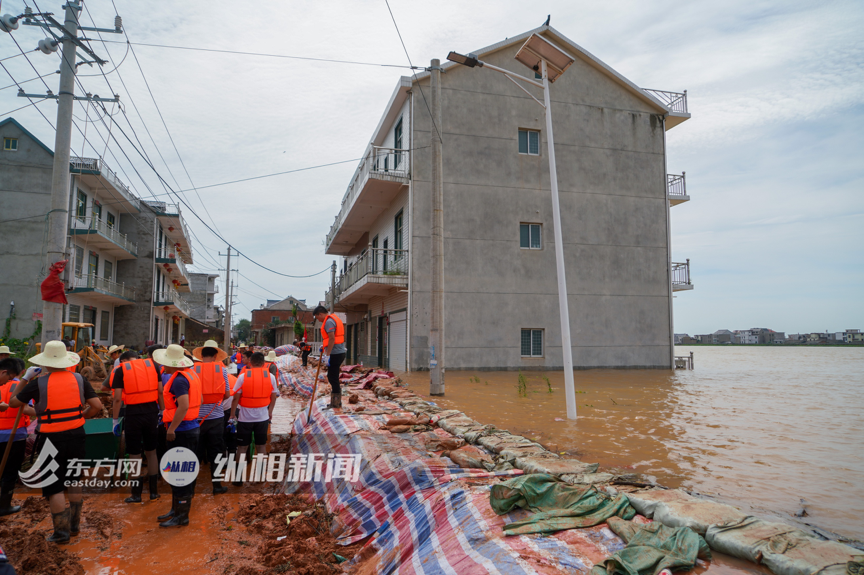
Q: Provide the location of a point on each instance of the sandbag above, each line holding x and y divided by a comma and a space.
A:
554, 465
470, 457
587, 478
676, 508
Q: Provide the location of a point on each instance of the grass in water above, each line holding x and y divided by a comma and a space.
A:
548, 384
522, 386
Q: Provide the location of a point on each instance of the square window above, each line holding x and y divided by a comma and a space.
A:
532, 343
529, 142
81, 206
10, 144
530, 236
79, 260
103, 328
74, 313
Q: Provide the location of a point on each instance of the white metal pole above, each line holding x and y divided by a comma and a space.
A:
566, 347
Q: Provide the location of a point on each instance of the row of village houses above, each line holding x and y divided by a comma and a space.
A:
761, 335
127, 271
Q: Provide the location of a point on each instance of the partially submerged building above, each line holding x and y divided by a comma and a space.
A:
500, 291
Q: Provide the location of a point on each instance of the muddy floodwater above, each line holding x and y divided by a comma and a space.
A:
759, 427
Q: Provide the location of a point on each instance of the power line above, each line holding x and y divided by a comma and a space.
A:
260, 286
261, 54
26, 81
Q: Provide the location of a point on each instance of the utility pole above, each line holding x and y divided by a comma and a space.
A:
227, 342
58, 216
333, 287
436, 328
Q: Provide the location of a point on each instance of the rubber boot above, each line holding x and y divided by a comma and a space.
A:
6, 507
137, 488
339, 401
332, 401
61, 522
75, 520
181, 513
154, 488
218, 488
171, 513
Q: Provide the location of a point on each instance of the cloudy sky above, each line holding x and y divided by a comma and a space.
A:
773, 154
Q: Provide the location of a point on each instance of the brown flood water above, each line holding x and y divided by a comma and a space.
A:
761, 428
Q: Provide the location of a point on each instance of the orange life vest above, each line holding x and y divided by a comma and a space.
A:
212, 381
7, 418
61, 402
72, 368
194, 397
231, 381
140, 381
256, 388
339, 336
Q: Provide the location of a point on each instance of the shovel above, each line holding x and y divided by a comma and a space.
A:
314, 389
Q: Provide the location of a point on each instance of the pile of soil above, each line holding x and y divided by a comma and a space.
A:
307, 546
27, 548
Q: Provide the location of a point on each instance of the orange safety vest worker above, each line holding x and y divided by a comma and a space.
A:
195, 397
140, 381
212, 381
256, 388
231, 381
72, 368
7, 418
61, 402
339, 336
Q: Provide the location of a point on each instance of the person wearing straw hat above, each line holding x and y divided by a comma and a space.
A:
62, 400
10, 369
114, 353
135, 385
270, 363
181, 391
215, 390
5, 352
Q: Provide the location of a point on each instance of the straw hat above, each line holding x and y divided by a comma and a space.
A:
114, 348
196, 353
5, 349
55, 355
271, 356
171, 357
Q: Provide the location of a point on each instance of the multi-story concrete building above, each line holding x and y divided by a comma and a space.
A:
276, 312
127, 257
501, 303
201, 299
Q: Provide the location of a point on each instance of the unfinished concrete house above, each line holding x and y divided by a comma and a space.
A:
500, 291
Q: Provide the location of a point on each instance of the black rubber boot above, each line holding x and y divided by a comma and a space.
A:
171, 513
218, 488
181, 513
6, 507
154, 487
75, 520
137, 488
338, 400
61, 522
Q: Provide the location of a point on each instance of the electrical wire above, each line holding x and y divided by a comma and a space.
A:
260, 286
26, 81
32, 103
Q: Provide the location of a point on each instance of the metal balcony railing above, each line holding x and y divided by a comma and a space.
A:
681, 275
171, 210
103, 285
378, 162
676, 186
170, 296
377, 262
178, 263
79, 165
105, 230
675, 101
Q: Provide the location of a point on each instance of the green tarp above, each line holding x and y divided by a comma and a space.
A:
557, 504
651, 548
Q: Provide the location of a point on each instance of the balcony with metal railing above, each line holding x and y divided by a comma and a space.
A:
175, 268
676, 189
101, 289
174, 226
379, 178
170, 299
681, 276
103, 236
95, 174
374, 273
675, 101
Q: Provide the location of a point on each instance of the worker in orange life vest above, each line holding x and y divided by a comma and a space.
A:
62, 401
215, 390
270, 364
10, 369
136, 385
255, 394
181, 392
333, 336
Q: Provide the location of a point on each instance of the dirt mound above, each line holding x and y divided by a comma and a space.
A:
35, 509
29, 552
101, 522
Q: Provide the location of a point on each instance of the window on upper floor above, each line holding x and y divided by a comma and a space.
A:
274, 318
530, 236
10, 144
103, 328
79, 260
97, 211
111, 220
397, 143
384, 252
529, 142
93, 264
81, 206
74, 313
397, 231
108, 270
532, 343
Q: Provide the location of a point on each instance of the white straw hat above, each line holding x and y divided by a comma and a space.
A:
5, 349
55, 355
172, 357
114, 348
196, 353
271, 356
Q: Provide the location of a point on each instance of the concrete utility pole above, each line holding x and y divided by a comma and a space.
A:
333, 287
436, 329
227, 342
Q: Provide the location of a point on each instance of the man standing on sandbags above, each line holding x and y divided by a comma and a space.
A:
333, 336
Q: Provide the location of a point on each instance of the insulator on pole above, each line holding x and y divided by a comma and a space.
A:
118, 22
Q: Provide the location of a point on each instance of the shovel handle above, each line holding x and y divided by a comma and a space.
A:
314, 391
